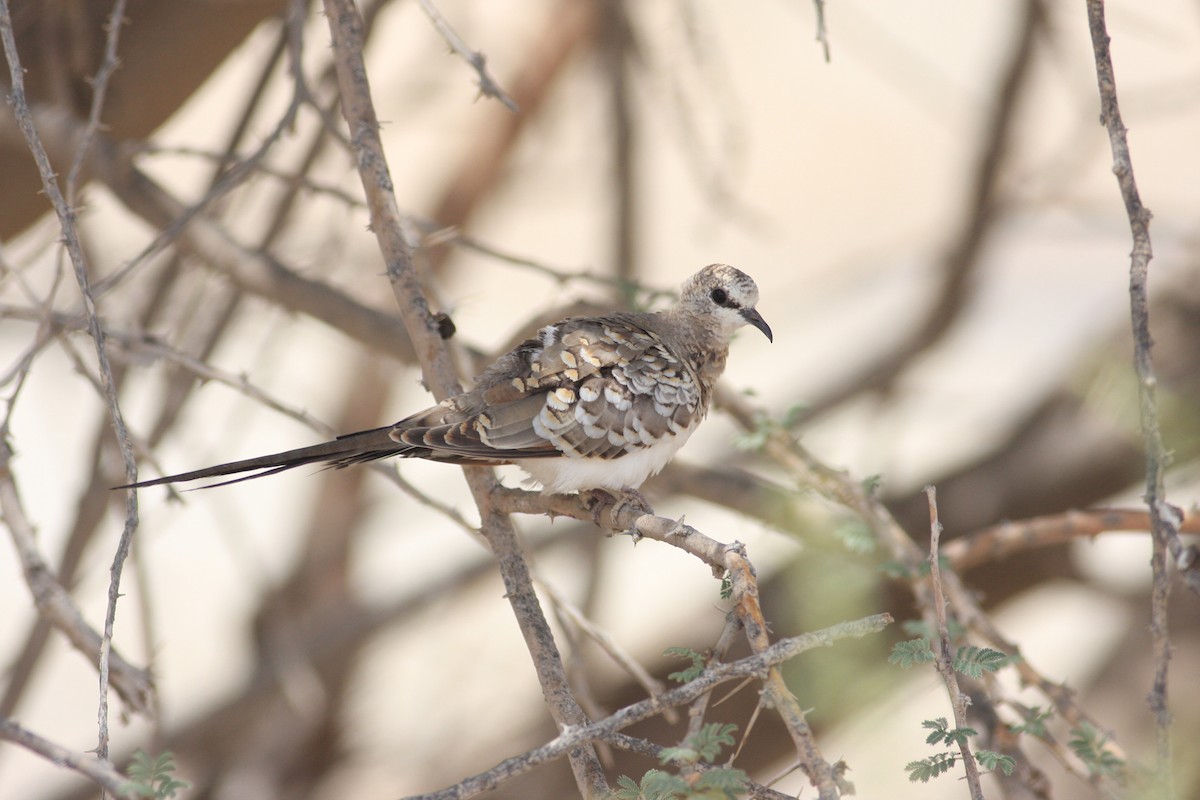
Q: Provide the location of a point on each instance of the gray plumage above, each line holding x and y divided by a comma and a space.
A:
589, 403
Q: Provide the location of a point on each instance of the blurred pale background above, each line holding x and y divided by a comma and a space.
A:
842, 187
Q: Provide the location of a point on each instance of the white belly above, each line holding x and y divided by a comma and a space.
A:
559, 475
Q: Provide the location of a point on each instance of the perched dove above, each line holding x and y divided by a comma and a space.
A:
590, 403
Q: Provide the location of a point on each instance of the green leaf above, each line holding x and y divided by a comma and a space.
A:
894, 569
856, 537
692, 672
872, 484
931, 767
659, 785
1035, 722
974, 661
1090, 745
910, 653
711, 738
678, 755
944, 734
151, 777
721, 784
627, 789
992, 761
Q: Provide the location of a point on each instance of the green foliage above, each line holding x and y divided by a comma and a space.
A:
1089, 744
942, 733
152, 777
765, 425
717, 784
974, 661
872, 484
726, 587
655, 785
992, 761
896, 570
713, 784
926, 768
856, 536
1035, 722
908, 654
691, 673
705, 744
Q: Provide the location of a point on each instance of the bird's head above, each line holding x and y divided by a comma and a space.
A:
725, 295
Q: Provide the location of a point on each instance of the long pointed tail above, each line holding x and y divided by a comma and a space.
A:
353, 448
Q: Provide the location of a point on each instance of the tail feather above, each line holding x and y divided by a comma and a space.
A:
353, 448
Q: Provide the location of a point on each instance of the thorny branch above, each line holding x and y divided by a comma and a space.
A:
943, 648
67, 222
1164, 518
487, 84
757, 665
437, 366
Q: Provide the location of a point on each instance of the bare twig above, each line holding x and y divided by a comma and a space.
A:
945, 655
754, 665
96, 769
54, 603
487, 85
1008, 538
725, 560
108, 65
822, 31
1164, 518
66, 217
437, 366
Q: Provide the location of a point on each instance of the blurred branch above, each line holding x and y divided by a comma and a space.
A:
822, 32
943, 653
1001, 541
1164, 518
962, 259
96, 769
757, 665
837, 486
70, 236
725, 560
487, 85
437, 366
54, 603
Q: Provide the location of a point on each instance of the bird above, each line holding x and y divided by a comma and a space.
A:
587, 404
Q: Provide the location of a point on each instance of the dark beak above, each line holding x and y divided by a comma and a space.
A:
754, 318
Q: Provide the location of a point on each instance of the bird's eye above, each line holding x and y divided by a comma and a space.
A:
719, 297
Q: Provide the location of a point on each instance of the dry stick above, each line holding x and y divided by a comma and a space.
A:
840, 488
346, 28
945, 660
487, 84
754, 665
652, 750
723, 559
54, 603
98, 770
99, 83
617, 50
1164, 519
66, 219
1007, 538
822, 31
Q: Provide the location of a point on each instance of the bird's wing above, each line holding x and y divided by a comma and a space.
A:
594, 387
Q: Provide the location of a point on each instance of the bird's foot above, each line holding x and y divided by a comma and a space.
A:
607, 507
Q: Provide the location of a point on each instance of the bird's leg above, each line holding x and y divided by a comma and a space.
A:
606, 506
